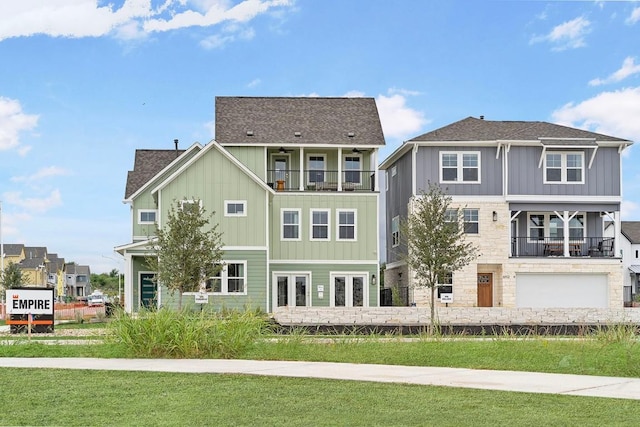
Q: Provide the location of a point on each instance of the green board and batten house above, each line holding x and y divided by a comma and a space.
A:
293, 184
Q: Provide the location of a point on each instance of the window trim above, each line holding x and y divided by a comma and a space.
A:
354, 225
282, 224
465, 222
460, 167
345, 171
309, 170
224, 279
235, 202
189, 201
564, 168
141, 211
395, 234
327, 225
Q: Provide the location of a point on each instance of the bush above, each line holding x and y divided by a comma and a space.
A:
183, 334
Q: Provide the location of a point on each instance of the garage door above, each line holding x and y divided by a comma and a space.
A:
561, 290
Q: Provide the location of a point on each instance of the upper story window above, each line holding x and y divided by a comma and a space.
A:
395, 231
352, 168
190, 204
564, 168
320, 224
394, 170
146, 216
316, 166
346, 224
235, 208
460, 167
471, 222
470, 219
290, 224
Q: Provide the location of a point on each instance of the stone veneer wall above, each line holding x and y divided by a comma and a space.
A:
493, 245
412, 316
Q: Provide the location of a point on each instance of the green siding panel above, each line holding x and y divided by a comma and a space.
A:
213, 179
364, 248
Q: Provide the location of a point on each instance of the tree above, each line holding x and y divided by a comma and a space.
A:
187, 250
435, 241
12, 277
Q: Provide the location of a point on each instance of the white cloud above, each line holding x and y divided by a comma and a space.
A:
228, 35
33, 204
134, 19
629, 68
611, 113
568, 35
629, 210
634, 17
254, 83
43, 173
13, 121
398, 120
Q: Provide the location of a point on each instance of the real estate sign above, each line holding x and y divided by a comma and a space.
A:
30, 309
30, 301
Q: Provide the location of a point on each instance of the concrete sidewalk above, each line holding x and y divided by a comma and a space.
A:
577, 385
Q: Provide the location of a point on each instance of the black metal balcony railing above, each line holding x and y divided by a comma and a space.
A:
315, 180
552, 246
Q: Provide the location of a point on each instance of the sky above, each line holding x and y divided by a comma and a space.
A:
84, 83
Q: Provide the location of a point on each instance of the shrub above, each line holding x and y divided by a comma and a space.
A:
184, 334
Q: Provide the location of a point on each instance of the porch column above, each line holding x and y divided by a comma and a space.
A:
339, 168
301, 169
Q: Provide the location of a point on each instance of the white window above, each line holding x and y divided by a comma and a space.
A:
235, 208
316, 165
353, 168
146, 216
460, 167
346, 225
386, 180
394, 170
470, 219
471, 223
232, 279
551, 226
395, 231
320, 224
290, 219
564, 168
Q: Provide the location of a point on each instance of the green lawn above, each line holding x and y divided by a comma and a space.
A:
101, 398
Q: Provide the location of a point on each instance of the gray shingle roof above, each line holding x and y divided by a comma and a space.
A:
472, 129
35, 252
631, 229
275, 120
13, 249
146, 165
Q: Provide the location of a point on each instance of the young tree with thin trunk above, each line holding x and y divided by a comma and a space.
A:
435, 241
187, 249
12, 277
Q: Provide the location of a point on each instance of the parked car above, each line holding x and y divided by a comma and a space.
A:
96, 299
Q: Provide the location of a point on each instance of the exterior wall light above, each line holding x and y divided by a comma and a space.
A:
495, 215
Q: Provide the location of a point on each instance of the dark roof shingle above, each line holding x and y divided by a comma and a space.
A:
472, 129
276, 120
146, 165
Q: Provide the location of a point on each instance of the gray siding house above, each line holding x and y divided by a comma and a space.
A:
536, 198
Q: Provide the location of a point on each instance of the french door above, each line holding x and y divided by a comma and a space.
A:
292, 290
349, 290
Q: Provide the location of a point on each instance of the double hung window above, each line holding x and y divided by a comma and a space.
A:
460, 167
290, 224
395, 231
346, 224
564, 168
320, 224
231, 279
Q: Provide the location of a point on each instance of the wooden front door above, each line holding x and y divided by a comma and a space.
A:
485, 290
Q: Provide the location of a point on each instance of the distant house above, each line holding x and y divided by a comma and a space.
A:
13, 253
77, 280
34, 266
293, 184
630, 249
535, 198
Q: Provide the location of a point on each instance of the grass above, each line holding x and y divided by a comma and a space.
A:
73, 398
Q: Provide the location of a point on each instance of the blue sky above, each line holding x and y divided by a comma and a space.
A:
83, 83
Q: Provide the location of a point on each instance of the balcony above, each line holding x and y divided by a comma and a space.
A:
316, 180
594, 247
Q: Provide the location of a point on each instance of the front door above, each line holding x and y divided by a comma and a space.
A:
292, 290
281, 166
148, 290
348, 291
485, 290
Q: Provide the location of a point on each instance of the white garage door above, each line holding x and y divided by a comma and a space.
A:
561, 290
